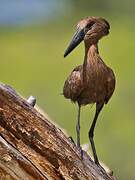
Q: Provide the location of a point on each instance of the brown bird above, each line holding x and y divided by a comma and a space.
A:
94, 81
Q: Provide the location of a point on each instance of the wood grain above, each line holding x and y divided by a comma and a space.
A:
31, 147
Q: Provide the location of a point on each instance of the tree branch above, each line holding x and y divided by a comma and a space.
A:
31, 147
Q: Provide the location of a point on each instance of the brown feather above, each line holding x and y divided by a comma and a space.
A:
93, 81
98, 84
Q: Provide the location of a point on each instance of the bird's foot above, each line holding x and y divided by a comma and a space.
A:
97, 163
80, 151
100, 166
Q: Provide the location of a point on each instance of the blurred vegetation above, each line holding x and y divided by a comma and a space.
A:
121, 7
31, 60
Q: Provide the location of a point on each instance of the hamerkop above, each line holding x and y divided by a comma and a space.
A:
94, 81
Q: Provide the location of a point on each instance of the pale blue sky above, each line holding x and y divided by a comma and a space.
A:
25, 11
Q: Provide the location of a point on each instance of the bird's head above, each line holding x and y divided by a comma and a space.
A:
91, 30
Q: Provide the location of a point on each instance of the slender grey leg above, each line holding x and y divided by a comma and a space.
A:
78, 126
99, 107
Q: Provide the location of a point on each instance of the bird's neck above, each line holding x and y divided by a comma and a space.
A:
90, 58
91, 54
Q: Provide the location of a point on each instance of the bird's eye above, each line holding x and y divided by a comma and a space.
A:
90, 25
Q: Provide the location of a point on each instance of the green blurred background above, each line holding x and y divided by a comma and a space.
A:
33, 37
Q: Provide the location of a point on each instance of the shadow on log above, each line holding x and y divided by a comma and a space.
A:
31, 147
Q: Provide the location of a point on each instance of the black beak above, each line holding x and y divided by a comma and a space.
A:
77, 38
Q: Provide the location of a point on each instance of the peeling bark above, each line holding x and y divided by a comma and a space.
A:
31, 147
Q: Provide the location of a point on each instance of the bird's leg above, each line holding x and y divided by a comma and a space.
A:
78, 126
99, 107
78, 131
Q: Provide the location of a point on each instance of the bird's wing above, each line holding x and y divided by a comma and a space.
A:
74, 84
110, 85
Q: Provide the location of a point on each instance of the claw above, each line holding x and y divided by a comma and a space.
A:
81, 152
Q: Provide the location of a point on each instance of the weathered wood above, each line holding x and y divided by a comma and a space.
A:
31, 147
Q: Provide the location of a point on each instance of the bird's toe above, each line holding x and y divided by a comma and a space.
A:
80, 151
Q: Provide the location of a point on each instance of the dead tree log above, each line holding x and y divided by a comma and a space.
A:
31, 147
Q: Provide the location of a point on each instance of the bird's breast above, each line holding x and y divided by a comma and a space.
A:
97, 79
